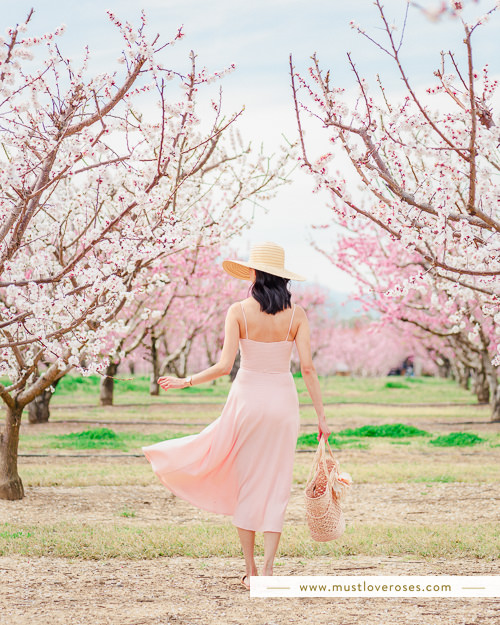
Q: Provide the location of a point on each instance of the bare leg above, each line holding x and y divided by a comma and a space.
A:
271, 542
247, 539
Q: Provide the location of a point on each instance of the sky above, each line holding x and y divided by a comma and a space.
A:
259, 36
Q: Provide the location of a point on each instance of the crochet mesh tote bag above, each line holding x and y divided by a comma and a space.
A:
323, 495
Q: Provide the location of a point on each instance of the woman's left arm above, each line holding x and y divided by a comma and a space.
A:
226, 360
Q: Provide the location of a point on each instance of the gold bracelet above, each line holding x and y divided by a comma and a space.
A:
189, 380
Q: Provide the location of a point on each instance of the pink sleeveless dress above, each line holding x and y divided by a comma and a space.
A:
242, 463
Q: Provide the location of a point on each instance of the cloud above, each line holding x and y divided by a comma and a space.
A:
258, 36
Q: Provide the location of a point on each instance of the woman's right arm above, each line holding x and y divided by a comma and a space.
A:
303, 342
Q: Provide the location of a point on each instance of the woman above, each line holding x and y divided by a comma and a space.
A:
242, 463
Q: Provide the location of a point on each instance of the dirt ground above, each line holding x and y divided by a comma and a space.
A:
185, 591
206, 591
368, 504
184, 417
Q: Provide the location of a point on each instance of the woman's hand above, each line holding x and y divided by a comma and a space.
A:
323, 430
169, 381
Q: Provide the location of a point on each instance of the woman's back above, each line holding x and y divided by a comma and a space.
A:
256, 325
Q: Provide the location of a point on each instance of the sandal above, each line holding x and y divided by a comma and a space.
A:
243, 583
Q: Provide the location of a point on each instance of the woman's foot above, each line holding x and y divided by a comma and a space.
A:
244, 582
267, 570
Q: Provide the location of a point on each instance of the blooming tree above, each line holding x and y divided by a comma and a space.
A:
96, 191
203, 312
366, 347
312, 297
191, 307
314, 300
451, 327
428, 173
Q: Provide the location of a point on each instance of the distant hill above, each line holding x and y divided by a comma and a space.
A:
344, 306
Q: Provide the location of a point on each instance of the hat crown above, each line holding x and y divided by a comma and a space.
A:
268, 253
267, 256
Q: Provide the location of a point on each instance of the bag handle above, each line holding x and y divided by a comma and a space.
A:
335, 461
319, 456
335, 469
315, 463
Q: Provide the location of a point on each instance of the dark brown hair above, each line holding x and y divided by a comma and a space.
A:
271, 292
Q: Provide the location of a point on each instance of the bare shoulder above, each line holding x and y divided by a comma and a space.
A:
300, 313
236, 309
301, 321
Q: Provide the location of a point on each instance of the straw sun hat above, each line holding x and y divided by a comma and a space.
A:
268, 257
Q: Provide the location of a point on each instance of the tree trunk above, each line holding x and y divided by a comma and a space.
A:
39, 408
417, 367
183, 360
465, 381
462, 374
494, 387
107, 385
179, 361
444, 366
154, 387
495, 405
11, 486
481, 386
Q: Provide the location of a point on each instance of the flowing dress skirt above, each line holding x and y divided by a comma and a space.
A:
242, 463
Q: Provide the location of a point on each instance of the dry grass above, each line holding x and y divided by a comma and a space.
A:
124, 472
152, 540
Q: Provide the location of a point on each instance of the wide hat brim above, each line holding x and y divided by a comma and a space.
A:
240, 269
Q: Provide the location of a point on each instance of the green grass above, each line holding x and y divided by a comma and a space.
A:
77, 389
16, 534
392, 430
352, 437
310, 441
378, 428
105, 438
349, 438
137, 471
136, 389
457, 439
203, 413
94, 438
415, 390
152, 540
442, 479
395, 384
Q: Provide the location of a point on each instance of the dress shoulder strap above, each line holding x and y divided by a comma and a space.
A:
290, 327
244, 317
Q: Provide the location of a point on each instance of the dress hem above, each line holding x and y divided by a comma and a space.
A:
206, 508
182, 496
